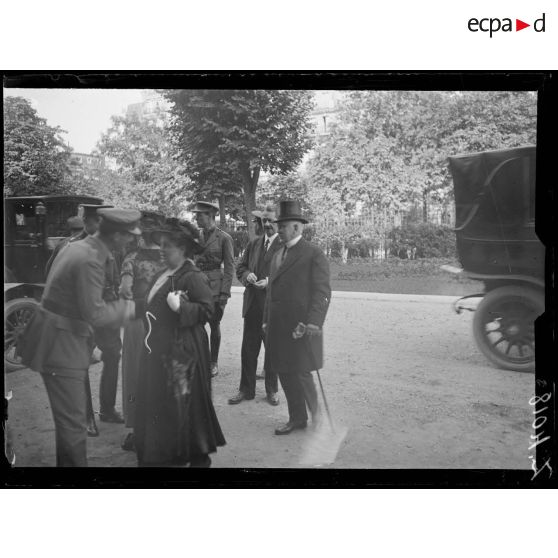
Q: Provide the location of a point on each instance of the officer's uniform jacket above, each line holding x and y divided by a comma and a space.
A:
60, 334
217, 249
253, 262
298, 291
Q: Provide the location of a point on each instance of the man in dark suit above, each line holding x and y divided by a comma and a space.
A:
59, 338
298, 293
253, 272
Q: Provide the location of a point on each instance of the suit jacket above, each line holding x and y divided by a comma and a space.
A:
255, 260
298, 291
60, 333
217, 249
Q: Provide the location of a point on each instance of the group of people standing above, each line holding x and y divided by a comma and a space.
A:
176, 279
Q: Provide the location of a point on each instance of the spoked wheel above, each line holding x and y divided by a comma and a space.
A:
17, 314
504, 326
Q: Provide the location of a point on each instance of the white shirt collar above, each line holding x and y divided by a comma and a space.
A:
294, 241
270, 239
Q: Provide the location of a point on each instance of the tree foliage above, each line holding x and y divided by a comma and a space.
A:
148, 173
35, 155
227, 137
391, 147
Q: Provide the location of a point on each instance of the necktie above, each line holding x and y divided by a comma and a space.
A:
284, 254
266, 245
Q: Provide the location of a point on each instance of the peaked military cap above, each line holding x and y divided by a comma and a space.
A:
205, 207
125, 220
90, 209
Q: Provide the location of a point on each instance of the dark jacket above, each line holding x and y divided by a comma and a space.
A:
60, 334
217, 249
253, 262
298, 291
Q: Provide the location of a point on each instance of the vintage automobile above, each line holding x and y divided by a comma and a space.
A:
497, 245
33, 225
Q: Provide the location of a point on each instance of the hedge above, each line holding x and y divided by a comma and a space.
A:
422, 240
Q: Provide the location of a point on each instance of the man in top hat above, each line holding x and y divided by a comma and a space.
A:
253, 272
298, 293
59, 338
75, 225
217, 262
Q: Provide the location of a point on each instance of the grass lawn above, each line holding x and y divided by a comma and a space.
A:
399, 276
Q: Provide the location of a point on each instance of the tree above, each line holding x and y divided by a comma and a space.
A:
148, 174
227, 137
276, 187
391, 147
35, 155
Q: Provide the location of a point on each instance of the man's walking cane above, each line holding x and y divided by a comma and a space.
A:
324, 446
92, 430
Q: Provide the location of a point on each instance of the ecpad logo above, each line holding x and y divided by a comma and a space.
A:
493, 25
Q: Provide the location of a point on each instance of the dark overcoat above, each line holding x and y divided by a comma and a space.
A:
252, 262
298, 291
60, 333
175, 418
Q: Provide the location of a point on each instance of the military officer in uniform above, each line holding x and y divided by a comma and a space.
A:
217, 262
253, 272
59, 338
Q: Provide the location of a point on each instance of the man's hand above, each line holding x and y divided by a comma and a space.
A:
251, 278
261, 284
313, 330
223, 299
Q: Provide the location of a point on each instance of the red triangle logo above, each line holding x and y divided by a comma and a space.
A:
519, 25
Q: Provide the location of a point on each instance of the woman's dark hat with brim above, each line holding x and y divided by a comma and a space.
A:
205, 207
183, 229
289, 210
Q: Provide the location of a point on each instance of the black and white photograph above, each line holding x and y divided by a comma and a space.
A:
265, 278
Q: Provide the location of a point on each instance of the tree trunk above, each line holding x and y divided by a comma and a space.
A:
425, 207
249, 184
222, 211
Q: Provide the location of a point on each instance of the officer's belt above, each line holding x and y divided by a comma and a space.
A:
208, 266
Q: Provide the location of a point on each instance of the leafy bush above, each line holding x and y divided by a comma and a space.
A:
422, 240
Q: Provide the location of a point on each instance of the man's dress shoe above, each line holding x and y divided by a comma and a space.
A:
273, 399
289, 427
238, 398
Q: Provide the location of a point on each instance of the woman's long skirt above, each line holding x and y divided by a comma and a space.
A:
132, 350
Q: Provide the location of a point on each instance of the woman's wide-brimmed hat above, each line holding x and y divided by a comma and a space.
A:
182, 231
289, 210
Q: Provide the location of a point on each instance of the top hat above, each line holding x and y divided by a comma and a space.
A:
124, 220
289, 210
205, 207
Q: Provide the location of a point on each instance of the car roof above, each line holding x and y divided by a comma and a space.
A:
55, 197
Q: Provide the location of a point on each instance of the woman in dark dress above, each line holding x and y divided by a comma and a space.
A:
175, 420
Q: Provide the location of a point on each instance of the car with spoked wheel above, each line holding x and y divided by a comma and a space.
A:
497, 245
33, 225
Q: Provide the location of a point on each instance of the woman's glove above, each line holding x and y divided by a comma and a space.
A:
173, 300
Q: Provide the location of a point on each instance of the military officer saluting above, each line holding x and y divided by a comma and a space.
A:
217, 262
59, 338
